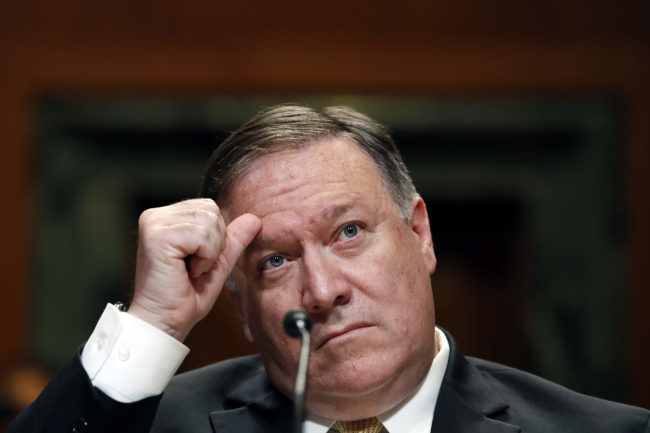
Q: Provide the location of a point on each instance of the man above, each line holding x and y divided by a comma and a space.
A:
303, 209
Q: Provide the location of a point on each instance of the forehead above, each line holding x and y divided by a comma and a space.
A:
334, 170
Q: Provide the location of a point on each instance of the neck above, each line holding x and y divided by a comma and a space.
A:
374, 402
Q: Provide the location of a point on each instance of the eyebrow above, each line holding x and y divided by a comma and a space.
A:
335, 212
261, 242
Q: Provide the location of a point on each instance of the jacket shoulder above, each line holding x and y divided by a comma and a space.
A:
538, 402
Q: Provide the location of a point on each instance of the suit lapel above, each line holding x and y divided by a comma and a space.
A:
467, 402
453, 414
266, 415
254, 407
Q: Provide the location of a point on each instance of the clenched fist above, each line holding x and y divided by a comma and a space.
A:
185, 254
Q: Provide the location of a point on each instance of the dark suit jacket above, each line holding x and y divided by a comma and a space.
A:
236, 396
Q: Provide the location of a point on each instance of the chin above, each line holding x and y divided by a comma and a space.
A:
354, 387
354, 395
353, 378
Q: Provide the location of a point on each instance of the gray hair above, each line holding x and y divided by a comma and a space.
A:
293, 126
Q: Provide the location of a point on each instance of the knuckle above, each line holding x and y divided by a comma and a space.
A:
144, 217
214, 216
198, 213
204, 232
214, 237
205, 202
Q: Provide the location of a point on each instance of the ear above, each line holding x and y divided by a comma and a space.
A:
235, 299
420, 227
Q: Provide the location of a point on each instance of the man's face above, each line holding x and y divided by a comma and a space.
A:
333, 242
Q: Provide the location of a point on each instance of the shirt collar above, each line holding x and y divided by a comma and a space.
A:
415, 413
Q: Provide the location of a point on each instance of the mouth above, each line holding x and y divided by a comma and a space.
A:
339, 335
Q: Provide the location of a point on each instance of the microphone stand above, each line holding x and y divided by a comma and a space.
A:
297, 323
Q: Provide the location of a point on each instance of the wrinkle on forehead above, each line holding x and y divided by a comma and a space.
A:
308, 221
289, 177
291, 196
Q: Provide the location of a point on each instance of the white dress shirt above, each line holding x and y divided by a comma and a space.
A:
129, 359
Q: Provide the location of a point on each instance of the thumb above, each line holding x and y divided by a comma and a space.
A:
239, 233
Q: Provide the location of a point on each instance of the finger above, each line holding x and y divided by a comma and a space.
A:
169, 246
198, 265
191, 211
240, 232
210, 243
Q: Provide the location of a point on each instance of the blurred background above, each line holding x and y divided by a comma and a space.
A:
526, 126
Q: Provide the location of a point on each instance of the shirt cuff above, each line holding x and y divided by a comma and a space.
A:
128, 359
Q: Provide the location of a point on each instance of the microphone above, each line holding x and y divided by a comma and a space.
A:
297, 324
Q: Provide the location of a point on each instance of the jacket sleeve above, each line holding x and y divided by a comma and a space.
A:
71, 404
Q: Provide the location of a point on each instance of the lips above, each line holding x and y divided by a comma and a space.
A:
340, 332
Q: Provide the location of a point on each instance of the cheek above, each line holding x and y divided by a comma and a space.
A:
279, 351
266, 316
393, 279
389, 267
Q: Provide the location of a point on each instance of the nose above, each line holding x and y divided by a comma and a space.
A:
323, 286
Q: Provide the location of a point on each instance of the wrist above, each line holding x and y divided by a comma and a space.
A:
160, 321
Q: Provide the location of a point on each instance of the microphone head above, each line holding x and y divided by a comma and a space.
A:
291, 322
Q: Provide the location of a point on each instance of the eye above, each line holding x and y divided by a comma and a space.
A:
349, 231
273, 262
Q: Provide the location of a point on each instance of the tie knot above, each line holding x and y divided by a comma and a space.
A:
368, 425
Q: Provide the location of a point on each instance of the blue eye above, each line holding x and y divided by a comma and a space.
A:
273, 262
349, 231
